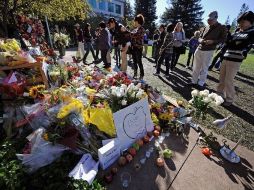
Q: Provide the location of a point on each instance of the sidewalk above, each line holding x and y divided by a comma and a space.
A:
197, 173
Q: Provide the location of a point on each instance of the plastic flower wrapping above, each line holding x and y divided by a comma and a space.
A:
201, 100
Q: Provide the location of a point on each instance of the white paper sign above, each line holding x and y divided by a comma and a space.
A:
133, 123
109, 153
86, 169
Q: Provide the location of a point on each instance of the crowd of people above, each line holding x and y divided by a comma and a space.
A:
169, 42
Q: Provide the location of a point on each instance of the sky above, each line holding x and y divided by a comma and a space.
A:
225, 8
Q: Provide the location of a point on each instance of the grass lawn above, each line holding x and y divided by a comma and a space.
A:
247, 67
242, 109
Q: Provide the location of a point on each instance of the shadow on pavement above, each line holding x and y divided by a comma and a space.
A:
236, 171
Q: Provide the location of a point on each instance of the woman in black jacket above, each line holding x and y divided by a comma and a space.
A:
236, 50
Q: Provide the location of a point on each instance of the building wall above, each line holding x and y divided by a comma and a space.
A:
108, 7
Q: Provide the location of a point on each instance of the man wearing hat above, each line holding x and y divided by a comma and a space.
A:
80, 39
210, 37
236, 49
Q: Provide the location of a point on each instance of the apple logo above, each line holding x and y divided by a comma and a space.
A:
134, 124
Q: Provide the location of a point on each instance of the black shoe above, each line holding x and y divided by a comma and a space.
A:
135, 76
199, 87
141, 77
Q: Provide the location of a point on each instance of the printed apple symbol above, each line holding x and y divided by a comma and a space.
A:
134, 124
167, 153
132, 152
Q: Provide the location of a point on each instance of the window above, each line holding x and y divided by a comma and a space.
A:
118, 9
93, 3
102, 5
111, 7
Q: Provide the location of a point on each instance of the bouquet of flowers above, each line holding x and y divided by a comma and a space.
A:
122, 96
201, 100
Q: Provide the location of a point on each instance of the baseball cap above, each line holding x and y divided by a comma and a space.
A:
213, 15
77, 24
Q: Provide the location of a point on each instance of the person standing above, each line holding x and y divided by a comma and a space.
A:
218, 58
122, 36
179, 38
96, 42
211, 36
166, 51
155, 39
80, 39
236, 50
160, 42
88, 42
137, 36
146, 42
193, 44
104, 44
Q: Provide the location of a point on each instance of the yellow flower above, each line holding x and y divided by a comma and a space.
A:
45, 136
35, 90
73, 106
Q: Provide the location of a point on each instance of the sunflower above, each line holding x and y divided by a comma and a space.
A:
33, 92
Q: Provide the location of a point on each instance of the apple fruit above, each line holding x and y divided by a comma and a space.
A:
140, 142
160, 162
157, 127
122, 161
156, 133
132, 151
146, 139
129, 157
114, 170
207, 152
108, 177
167, 153
136, 146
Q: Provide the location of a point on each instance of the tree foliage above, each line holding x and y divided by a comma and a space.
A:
57, 10
189, 12
128, 13
244, 8
148, 9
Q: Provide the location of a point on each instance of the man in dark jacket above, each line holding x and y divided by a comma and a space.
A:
104, 44
210, 37
160, 41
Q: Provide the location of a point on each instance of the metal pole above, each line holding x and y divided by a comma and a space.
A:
47, 24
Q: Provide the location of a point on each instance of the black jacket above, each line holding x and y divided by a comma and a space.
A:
240, 43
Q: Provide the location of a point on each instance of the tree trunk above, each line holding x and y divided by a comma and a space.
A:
5, 17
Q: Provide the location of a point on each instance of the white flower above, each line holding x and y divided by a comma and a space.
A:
204, 93
124, 102
124, 86
133, 95
130, 87
140, 93
194, 93
122, 91
102, 81
138, 85
207, 100
218, 100
212, 95
191, 101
